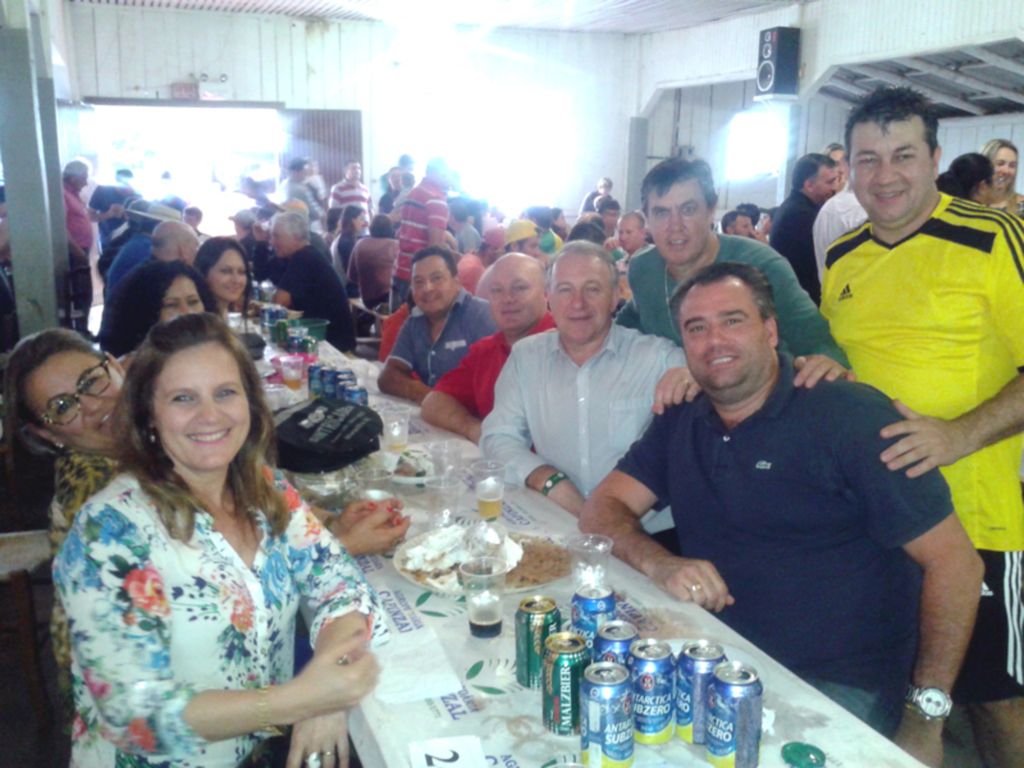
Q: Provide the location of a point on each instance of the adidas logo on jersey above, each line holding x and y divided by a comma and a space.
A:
846, 293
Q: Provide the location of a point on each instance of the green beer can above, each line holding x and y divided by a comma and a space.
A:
566, 656
536, 619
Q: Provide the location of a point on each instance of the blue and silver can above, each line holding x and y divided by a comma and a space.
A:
329, 379
357, 396
613, 640
652, 670
316, 384
591, 608
268, 319
694, 668
734, 716
347, 376
606, 716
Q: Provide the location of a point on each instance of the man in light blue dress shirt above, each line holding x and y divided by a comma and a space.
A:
579, 396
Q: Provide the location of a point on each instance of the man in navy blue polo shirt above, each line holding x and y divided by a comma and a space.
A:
788, 523
439, 331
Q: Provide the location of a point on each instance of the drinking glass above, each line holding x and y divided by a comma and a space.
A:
291, 369
590, 554
396, 427
374, 484
444, 499
447, 457
489, 477
483, 581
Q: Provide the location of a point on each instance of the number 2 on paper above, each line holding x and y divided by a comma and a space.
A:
432, 758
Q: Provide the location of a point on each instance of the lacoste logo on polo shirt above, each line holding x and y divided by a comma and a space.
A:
846, 293
763, 465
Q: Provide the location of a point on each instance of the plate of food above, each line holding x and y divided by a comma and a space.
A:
413, 466
432, 560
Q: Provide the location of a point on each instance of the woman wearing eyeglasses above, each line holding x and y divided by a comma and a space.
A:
60, 395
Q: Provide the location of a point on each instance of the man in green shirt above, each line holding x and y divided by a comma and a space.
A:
679, 200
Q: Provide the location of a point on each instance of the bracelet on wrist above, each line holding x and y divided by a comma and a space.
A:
263, 708
552, 481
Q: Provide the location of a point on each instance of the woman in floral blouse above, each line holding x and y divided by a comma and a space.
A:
182, 579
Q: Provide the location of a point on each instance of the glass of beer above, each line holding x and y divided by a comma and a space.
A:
483, 581
489, 478
374, 484
396, 427
291, 370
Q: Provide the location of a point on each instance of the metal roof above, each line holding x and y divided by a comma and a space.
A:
624, 16
974, 80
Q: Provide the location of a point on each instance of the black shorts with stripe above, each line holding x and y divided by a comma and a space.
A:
994, 667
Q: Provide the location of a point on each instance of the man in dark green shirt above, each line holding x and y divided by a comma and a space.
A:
679, 199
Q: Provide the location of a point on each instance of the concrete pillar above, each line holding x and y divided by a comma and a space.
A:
33, 250
636, 162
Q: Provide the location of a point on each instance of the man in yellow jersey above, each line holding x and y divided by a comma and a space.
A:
927, 301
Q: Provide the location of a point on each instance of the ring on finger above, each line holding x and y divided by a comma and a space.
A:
695, 588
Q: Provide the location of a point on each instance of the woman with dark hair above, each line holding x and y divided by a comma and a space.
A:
969, 177
60, 395
153, 292
373, 260
1004, 157
182, 579
353, 222
221, 260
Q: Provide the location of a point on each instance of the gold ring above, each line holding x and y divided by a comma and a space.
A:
695, 587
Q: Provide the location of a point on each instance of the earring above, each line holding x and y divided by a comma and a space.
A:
152, 436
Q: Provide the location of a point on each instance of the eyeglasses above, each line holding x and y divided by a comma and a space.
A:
62, 409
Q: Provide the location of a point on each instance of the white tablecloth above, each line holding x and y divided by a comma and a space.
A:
491, 705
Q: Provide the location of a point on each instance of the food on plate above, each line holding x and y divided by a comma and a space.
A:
433, 559
409, 463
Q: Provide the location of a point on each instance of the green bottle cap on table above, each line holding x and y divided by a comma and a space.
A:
800, 755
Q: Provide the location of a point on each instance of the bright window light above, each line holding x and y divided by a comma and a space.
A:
756, 145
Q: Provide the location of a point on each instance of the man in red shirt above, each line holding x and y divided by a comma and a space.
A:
465, 395
424, 222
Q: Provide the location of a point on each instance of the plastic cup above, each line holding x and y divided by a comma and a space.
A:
444, 493
374, 484
483, 581
489, 478
277, 396
447, 457
396, 427
590, 553
291, 369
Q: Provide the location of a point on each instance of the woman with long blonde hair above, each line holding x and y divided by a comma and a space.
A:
1004, 157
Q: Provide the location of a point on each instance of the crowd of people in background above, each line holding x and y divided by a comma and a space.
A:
801, 417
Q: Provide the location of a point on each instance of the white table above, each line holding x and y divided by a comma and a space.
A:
507, 718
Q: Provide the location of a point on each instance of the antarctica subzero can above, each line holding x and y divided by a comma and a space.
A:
694, 668
652, 679
606, 716
734, 716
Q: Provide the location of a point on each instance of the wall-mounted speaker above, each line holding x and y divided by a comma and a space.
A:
778, 62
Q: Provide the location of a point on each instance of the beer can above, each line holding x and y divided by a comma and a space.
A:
606, 716
592, 607
280, 313
357, 396
734, 716
281, 332
652, 671
294, 345
329, 382
612, 641
316, 385
347, 376
565, 657
537, 618
268, 319
309, 345
694, 667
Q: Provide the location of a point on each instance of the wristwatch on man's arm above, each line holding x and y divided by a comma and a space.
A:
930, 703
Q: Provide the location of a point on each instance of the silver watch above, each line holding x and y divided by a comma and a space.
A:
931, 703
